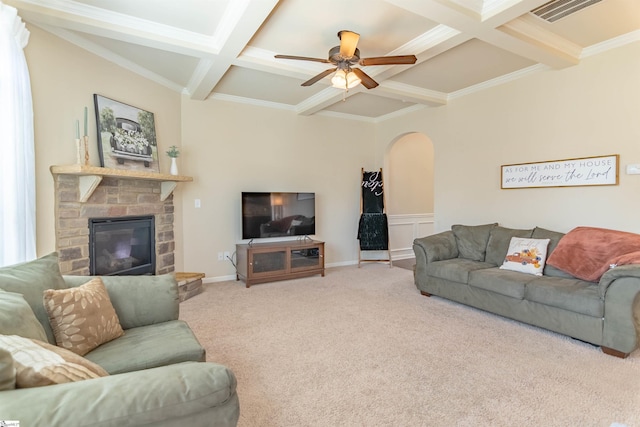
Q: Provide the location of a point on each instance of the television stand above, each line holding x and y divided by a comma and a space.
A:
272, 261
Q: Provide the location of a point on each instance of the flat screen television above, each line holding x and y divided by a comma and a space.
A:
272, 214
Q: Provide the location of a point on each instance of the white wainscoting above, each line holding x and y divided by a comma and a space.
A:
403, 229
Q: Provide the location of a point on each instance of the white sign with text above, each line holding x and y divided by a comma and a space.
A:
601, 170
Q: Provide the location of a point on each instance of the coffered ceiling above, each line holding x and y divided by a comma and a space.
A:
224, 49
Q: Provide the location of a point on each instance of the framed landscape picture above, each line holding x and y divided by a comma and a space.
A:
126, 136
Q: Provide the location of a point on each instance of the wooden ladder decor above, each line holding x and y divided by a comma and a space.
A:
373, 228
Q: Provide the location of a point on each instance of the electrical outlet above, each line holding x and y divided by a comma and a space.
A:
220, 256
197, 203
226, 256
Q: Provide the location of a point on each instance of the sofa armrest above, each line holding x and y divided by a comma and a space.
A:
436, 247
629, 270
139, 300
621, 330
152, 396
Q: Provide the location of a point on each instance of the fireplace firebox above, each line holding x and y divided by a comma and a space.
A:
122, 246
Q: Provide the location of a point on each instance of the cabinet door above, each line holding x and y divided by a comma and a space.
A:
265, 263
307, 258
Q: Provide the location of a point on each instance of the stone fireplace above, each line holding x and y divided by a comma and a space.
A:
85, 192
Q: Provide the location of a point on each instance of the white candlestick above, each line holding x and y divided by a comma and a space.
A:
79, 151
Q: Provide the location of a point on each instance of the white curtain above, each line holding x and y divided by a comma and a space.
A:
17, 158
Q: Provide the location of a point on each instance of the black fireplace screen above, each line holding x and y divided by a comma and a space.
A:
122, 246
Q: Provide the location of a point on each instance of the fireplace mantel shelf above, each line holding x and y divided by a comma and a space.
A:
90, 177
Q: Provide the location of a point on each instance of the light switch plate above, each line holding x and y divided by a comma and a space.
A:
633, 169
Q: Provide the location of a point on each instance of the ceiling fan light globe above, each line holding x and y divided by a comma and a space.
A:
344, 80
339, 79
352, 80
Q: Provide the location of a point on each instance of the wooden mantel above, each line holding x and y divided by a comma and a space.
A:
90, 177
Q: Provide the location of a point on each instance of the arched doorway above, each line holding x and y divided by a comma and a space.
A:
409, 164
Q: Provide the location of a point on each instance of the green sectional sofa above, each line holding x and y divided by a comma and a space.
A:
157, 373
463, 265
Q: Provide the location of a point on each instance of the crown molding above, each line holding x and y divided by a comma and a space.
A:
613, 43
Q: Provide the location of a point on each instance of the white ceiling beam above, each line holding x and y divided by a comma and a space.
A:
408, 93
521, 38
87, 19
242, 21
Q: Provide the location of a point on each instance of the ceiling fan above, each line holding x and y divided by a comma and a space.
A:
344, 57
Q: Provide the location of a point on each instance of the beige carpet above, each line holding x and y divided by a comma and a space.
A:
361, 347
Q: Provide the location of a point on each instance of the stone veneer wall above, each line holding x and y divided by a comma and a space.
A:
114, 197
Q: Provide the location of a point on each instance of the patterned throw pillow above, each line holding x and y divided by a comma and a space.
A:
82, 318
40, 364
526, 255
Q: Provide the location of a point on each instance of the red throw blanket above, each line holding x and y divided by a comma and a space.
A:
588, 252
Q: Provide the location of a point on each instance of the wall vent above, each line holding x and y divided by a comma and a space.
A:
558, 9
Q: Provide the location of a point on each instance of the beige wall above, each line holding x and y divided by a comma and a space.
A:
63, 81
229, 148
409, 175
587, 110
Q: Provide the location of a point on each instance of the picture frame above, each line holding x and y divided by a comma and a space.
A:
579, 172
126, 136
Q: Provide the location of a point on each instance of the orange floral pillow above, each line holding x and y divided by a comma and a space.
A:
82, 318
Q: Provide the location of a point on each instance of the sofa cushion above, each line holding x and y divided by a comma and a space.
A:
499, 240
31, 279
455, 269
148, 347
17, 317
472, 240
574, 295
7, 371
508, 283
186, 394
159, 293
554, 237
82, 318
526, 255
38, 366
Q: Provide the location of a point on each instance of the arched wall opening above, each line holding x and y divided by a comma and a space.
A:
409, 188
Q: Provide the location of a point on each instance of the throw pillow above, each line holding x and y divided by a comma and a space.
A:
499, 240
30, 279
526, 255
7, 371
82, 318
17, 317
472, 240
37, 366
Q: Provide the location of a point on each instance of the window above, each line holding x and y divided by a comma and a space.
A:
17, 159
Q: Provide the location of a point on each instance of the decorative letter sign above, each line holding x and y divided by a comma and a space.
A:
585, 171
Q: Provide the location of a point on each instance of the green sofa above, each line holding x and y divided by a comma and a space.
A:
157, 369
462, 264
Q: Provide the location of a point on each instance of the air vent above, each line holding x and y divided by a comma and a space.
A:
558, 9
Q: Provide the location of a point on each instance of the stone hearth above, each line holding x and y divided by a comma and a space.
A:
113, 197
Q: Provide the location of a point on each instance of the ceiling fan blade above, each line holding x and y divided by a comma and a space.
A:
319, 77
389, 60
367, 81
303, 58
348, 43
